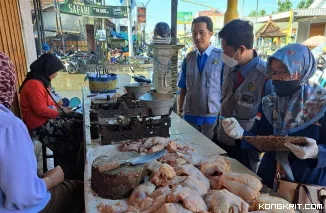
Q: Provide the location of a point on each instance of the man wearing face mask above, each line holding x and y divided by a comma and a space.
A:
200, 80
245, 83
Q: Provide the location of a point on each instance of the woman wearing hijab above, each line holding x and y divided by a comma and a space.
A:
21, 190
297, 108
46, 121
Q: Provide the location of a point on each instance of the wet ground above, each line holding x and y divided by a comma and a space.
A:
70, 85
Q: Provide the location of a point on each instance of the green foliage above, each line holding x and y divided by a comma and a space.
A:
262, 12
284, 5
253, 13
304, 4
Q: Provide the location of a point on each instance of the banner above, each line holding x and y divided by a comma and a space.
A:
78, 7
184, 18
141, 14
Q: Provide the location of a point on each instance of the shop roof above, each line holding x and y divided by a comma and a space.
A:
270, 30
299, 14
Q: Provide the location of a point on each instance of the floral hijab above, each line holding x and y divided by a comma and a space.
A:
7, 81
304, 107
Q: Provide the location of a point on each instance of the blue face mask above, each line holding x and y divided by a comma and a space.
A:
286, 88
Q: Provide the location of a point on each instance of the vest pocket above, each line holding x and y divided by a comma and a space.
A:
245, 106
214, 101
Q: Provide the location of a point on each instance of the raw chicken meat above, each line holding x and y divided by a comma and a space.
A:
130, 146
173, 159
140, 199
190, 182
164, 190
175, 147
223, 201
155, 148
153, 166
156, 142
190, 170
195, 184
246, 186
218, 164
161, 177
267, 199
190, 199
191, 157
116, 208
159, 197
177, 180
213, 180
172, 208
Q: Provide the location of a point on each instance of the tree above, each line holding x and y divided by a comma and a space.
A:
253, 13
284, 5
301, 4
304, 4
262, 12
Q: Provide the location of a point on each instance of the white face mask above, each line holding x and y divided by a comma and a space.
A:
230, 62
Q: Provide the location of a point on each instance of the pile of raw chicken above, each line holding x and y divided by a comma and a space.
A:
183, 181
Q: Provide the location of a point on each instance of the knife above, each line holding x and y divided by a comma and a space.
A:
135, 161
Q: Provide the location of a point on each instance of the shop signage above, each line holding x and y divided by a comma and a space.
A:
141, 14
184, 17
78, 7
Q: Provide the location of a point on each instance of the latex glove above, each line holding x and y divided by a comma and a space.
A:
304, 152
232, 128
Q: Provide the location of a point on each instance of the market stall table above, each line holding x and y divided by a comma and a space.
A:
180, 131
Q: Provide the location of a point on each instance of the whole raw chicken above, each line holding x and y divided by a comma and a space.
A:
140, 197
190, 170
215, 166
245, 186
190, 199
159, 197
190, 182
223, 201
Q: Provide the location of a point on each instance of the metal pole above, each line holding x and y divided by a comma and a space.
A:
242, 8
37, 28
130, 38
41, 19
61, 30
56, 15
174, 11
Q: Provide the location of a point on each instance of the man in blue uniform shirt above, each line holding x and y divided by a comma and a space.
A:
200, 79
245, 82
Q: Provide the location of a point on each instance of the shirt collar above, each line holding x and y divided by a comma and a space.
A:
207, 51
245, 70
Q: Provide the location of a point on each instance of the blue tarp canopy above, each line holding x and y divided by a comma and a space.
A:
123, 35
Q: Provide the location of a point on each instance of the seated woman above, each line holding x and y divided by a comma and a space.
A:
48, 122
21, 190
297, 108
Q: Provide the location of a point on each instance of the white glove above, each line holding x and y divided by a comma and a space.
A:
304, 152
232, 128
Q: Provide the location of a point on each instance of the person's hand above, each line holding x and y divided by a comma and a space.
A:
56, 176
232, 128
304, 152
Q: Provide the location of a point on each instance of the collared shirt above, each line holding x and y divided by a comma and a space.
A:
201, 61
245, 70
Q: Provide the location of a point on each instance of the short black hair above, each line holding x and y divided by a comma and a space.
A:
238, 32
204, 19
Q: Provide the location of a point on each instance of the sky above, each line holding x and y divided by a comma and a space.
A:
160, 10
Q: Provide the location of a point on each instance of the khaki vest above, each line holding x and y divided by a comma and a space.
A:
243, 102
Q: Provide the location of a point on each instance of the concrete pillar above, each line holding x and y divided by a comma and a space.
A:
27, 29
303, 31
232, 11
